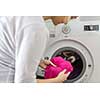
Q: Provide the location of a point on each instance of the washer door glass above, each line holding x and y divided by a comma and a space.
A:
77, 60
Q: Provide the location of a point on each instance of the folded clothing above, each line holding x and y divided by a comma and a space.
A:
61, 64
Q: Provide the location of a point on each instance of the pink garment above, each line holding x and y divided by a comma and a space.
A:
52, 72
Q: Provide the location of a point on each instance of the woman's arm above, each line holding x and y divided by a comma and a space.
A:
30, 46
53, 80
59, 79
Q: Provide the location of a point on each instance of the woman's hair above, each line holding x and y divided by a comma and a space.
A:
58, 19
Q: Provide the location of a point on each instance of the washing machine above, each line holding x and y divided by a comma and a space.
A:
79, 42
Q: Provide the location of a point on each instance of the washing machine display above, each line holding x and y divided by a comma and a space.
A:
91, 27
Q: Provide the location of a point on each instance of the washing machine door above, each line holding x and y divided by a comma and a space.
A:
78, 54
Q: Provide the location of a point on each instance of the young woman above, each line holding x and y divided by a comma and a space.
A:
22, 44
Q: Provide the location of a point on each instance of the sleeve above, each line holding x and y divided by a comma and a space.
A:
29, 51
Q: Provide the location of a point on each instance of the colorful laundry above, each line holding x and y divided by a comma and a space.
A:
61, 64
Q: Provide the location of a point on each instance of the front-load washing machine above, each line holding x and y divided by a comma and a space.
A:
79, 42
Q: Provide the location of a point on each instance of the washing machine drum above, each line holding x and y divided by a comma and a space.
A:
77, 60
79, 57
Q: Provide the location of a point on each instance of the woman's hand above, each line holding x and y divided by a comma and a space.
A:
62, 76
45, 63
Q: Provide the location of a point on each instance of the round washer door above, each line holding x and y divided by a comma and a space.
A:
79, 56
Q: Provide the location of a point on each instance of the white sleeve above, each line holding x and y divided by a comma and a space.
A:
29, 51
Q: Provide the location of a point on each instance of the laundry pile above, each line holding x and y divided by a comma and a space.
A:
61, 64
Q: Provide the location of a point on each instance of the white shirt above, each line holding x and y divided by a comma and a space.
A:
22, 44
